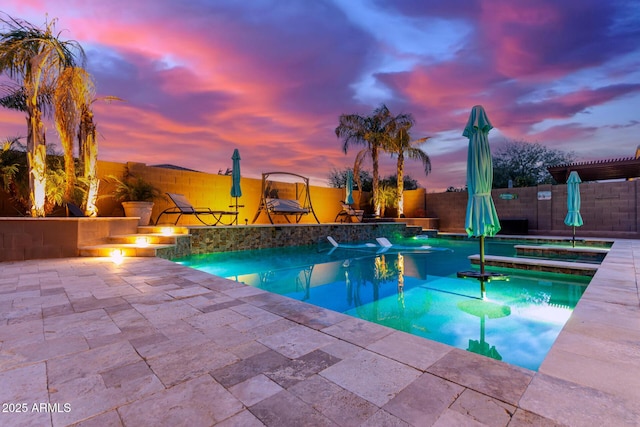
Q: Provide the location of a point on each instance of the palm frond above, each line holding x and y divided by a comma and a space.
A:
352, 130
14, 97
24, 46
418, 154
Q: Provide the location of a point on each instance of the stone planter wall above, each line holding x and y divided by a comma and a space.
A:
36, 238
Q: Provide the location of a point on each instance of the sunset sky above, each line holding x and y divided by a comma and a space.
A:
271, 77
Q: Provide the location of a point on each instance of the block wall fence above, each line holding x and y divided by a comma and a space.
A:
608, 208
212, 190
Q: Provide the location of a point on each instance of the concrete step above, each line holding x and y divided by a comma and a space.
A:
145, 243
128, 250
163, 229
147, 238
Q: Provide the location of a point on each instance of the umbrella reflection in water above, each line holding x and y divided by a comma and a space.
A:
484, 310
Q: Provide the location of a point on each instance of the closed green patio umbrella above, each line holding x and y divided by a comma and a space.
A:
481, 219
348, 198
236, 191
573, 218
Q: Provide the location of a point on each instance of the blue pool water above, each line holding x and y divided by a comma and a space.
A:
417, 291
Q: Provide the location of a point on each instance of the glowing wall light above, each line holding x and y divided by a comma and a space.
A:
142, 241
166, 231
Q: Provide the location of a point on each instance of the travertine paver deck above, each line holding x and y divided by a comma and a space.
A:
150, 343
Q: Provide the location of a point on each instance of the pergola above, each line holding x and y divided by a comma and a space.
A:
598, 170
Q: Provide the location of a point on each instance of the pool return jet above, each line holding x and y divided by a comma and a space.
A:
482, 218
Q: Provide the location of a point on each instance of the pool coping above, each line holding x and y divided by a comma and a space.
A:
110, 340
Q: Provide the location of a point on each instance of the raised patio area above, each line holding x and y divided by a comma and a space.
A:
151, 343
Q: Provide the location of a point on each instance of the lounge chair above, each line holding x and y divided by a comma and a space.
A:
183, 207
348, 214
386, 245
286, 207
335, 244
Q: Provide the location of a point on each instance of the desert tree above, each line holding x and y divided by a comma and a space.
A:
525, 163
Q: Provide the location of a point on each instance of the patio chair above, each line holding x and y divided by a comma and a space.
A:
184, 207
348, 214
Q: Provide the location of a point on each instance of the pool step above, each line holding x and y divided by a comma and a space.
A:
576, 268
562, 252
429, 232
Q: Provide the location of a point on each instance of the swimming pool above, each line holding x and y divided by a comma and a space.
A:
417, 291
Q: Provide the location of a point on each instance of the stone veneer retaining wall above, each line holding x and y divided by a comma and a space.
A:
239, 238
181, 249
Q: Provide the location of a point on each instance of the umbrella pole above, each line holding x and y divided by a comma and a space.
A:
236, 210
483, 291
482, 255
573, 241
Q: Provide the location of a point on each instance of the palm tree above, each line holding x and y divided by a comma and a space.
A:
71, 105
36, 57
88, 151
75, 95
403, 145
71, 93
88, 154
372, 131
